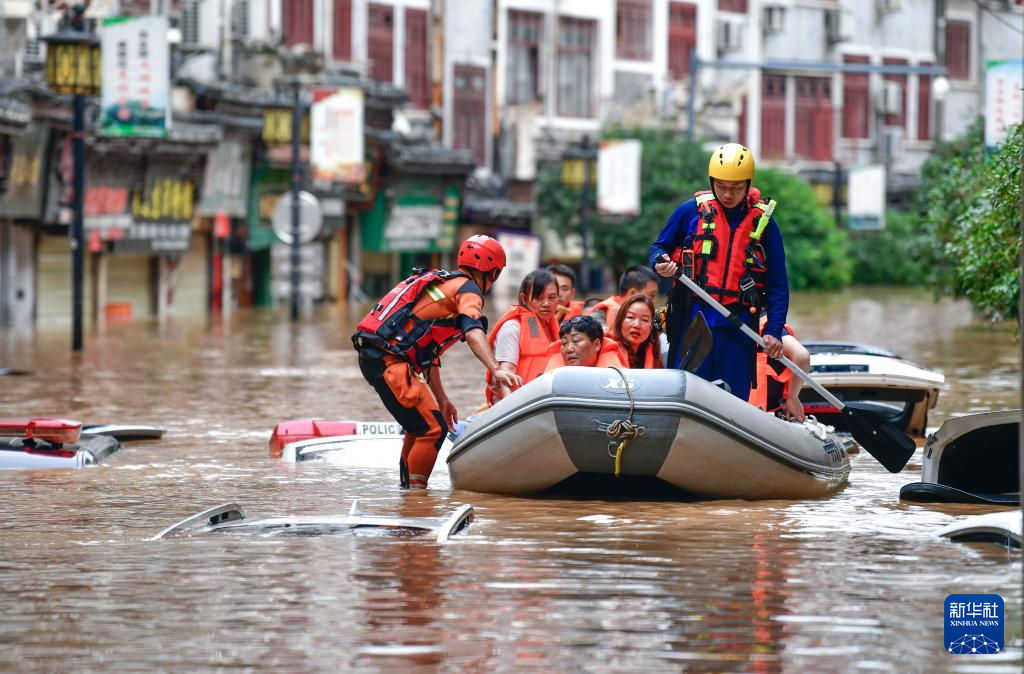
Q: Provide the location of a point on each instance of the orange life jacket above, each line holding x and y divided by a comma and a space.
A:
575, 309
730, 264
649, 361
609, 355
533, 344
771, 380
610, 307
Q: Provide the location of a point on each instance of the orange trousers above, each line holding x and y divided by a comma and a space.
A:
410, 402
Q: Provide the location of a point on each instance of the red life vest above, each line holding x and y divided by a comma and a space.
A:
533, 344
771, 380
391, 325
730, 264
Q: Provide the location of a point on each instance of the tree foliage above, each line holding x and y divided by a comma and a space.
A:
892, 256
971, 211
672, 169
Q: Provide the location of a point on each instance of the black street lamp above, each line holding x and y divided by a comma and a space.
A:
578, 170
73, 67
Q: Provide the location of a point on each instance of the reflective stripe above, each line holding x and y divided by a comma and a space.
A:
704, 197
435, 293
762, 222
387, 310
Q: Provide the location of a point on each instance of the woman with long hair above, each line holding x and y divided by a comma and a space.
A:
635, 332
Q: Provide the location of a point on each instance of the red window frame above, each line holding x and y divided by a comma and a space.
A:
525, 31
856, 100
342, 20
469, 110
297, 22
417, 60
381, 41
773, 116
576, 38
813, 118
633, 30
899, 120
682, 37
958, 50
732, 6
924, 106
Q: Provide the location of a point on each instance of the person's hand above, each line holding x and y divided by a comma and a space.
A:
509, 379
448, 412
793, 409
772, 346
666, 269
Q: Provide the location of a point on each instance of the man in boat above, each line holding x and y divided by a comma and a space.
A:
634, 280
726, 239
402, 338
568, 305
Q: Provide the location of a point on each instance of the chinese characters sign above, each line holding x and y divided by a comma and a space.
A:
136, 73
1004, 100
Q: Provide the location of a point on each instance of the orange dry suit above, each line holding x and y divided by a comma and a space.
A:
534, 339
770, 387
403, 336
609, 355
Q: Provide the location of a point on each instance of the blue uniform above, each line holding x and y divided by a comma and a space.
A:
733, 356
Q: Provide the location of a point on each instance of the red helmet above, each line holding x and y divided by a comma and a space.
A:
482, 253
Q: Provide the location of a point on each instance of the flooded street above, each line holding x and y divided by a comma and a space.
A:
851, 583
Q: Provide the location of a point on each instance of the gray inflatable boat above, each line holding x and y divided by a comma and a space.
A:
665, 432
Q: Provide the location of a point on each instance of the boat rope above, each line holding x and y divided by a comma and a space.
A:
623, 430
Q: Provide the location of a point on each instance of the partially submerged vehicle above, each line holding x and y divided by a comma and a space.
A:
873, 378
46, 442
607, 432
971, 459
300, 440
229, 518
1004, 528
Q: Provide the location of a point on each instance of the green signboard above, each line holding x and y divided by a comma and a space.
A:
417, 222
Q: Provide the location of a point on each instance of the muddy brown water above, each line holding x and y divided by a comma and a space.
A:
850, 583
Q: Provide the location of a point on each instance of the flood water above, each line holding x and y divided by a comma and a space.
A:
851, 583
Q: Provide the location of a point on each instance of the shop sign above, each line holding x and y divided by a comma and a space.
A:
416, 223
226, 181
24, 195
154, 238
336, 149
161, 215
108, 194
1004, 99
136, 77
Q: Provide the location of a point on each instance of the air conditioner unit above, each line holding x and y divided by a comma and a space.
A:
774, 18
887, 6
840, 24
729, 35
890, 98
890, 145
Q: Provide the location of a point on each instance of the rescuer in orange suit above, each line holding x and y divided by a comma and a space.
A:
401, 339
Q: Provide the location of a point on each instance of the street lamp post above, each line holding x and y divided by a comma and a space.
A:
73, 67
578, 171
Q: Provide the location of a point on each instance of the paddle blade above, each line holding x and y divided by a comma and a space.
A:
696, 344
888, 444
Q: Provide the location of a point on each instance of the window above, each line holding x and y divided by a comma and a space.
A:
523, 69
733, 6
773, 116
342, 49
924, 106
899, 120
958, 50
297, 22
856, 101
381, 45
633, 30
417, 81
813, 123
682, 37
576, 67
469, 110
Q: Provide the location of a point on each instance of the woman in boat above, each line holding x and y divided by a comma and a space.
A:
636, 334
522, 337
582, 342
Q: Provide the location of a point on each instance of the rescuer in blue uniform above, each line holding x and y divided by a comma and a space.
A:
727, 240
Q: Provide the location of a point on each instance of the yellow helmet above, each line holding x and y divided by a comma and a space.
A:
731, 161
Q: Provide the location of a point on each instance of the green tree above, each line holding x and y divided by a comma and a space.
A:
672, 169
893, 255
971, 210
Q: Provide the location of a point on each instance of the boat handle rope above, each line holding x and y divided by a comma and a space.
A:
623, 430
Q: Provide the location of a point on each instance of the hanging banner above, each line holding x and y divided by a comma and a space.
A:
226, 181
25, 179
618, 177
1004, 100
136, 77
336, 151
866, 197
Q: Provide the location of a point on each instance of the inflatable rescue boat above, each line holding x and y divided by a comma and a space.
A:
610, 432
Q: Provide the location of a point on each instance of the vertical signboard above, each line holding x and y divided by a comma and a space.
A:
26, 178
1004, 99
618, 177
522, 255
226, 180
866, 197
336, 152
136, 77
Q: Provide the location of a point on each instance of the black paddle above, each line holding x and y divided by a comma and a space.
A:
696, 344
888, 444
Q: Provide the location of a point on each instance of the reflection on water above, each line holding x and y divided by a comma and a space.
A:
855, 582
